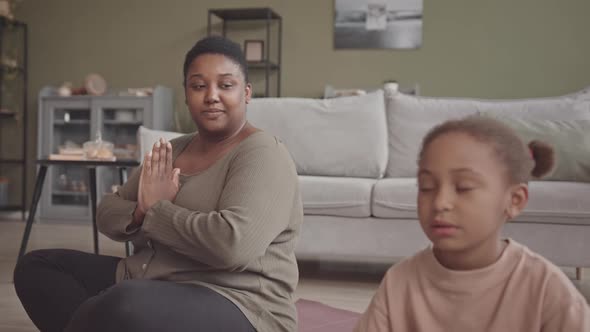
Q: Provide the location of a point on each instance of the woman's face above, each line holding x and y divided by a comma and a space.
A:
216, 95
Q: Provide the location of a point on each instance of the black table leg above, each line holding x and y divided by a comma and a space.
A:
92, 179
122, 175
33, 209
122, 180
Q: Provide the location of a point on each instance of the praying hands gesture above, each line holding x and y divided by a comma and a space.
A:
158, 181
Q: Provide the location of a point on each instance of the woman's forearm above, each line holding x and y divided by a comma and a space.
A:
137, 221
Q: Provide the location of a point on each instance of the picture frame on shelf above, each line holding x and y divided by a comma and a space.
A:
254, 50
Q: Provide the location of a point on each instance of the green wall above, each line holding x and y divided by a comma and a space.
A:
491, 49
495, 49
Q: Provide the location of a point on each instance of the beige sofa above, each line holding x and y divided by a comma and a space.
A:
356, 157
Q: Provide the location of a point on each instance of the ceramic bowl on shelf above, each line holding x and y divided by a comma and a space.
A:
95, 84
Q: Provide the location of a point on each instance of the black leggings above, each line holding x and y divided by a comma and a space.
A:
73, 291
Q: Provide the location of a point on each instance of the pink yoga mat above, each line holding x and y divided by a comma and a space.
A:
316, 317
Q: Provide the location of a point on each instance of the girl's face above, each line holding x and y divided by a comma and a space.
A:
216, 94
464, 196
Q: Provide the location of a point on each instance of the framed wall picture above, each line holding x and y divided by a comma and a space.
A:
382, 24
254, 50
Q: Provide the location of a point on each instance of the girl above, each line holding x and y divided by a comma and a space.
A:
472, 178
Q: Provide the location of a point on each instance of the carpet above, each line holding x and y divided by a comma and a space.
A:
315, 317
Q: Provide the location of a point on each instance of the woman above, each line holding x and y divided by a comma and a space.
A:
213, 216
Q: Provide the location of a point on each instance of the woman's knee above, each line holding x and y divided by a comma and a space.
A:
124, 293
121, 303
115, 309
28, 266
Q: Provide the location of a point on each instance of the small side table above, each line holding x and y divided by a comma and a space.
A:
122, 165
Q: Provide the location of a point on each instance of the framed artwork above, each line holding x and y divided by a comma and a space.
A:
254, 50
369, 24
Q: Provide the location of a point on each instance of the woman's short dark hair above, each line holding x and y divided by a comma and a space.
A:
216, 45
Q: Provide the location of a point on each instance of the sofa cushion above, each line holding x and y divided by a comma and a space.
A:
331, 137
333, 196
554, 202
395, 198
147, 137
409, 118
570, 139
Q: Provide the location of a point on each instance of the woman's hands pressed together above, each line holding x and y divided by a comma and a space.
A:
158, 180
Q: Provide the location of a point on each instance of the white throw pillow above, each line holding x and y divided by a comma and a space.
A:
147, 137
344, 136
409, 119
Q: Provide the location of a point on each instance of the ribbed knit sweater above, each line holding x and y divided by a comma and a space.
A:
232, 227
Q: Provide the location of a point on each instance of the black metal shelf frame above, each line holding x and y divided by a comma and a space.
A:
255, 14
16, 115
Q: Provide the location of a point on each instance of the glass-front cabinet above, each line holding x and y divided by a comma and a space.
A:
66, 126
66, 123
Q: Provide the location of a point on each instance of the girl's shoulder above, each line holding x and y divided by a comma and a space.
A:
539, 267
550, 280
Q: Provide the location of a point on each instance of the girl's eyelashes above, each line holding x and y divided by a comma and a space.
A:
425, 183
460, 188
426, 186
458, 183
465, 186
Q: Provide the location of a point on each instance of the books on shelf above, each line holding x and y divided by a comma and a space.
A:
73, 157
59, 156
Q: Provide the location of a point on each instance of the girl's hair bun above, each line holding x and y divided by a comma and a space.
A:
543, 155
